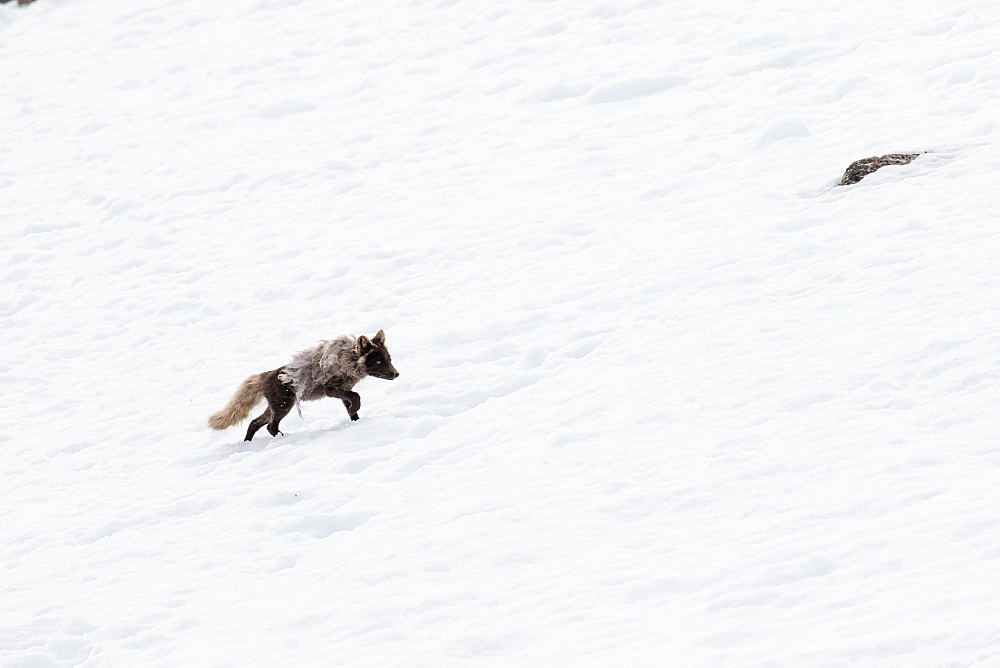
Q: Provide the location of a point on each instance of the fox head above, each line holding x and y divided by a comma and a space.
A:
374, 356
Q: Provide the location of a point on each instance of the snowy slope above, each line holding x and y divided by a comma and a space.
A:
667, 395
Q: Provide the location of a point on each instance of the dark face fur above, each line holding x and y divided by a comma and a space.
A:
376, 357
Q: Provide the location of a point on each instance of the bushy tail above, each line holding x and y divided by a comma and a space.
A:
241, 404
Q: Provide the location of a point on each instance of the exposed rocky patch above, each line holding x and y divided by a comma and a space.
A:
859, 169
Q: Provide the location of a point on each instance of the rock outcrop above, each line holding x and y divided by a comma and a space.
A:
859, 169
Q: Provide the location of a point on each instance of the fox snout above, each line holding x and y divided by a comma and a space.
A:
389, 373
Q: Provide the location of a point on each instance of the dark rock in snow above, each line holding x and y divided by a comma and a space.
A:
859, 169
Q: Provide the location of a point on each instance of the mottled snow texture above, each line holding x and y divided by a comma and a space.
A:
668, 395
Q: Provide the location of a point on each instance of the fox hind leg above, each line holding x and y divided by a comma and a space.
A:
280, 399
277, 414
257, 423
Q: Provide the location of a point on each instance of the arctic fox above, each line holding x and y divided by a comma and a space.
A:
328, 369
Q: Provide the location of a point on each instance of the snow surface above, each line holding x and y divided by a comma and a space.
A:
667, 395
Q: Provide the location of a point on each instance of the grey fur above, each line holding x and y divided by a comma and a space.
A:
329, 362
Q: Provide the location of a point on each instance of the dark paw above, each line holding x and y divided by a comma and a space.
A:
354, 416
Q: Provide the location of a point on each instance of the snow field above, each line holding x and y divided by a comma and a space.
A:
667, 396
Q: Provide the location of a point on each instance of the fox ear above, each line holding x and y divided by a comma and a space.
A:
362, 345
379, 339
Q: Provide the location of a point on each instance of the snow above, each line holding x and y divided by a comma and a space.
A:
667, 396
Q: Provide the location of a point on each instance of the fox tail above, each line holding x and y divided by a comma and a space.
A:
247, 396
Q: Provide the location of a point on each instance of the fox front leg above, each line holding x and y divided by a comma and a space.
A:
352, 400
